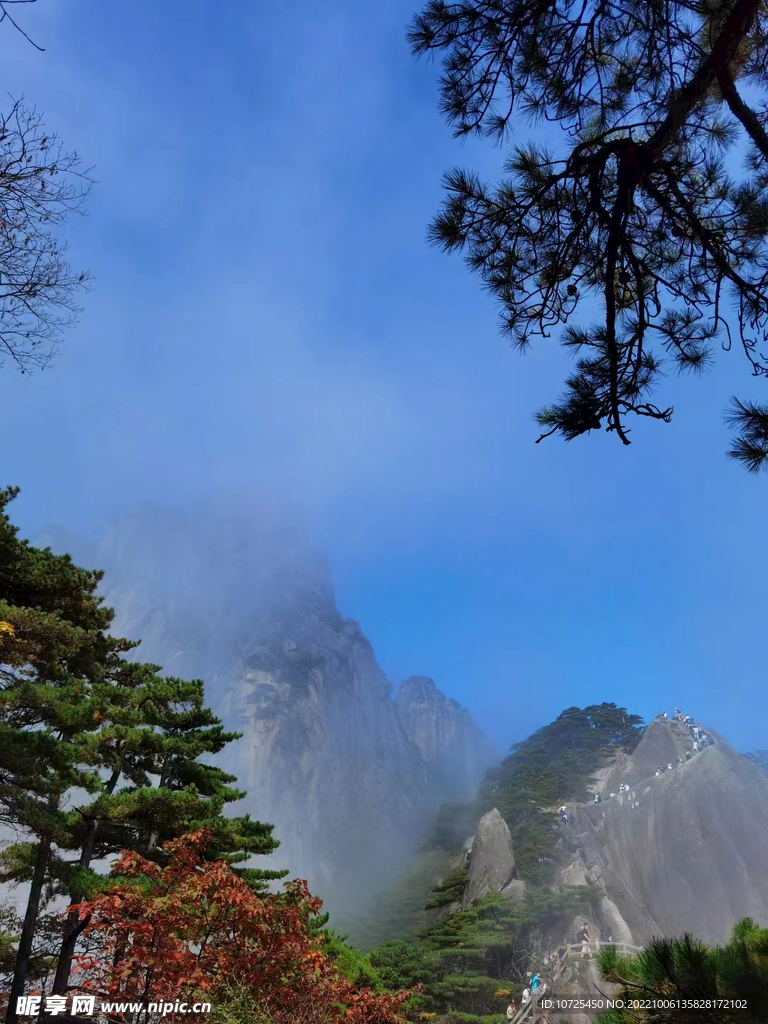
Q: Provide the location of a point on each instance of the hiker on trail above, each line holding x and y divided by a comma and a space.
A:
696, 745
679, 760
526, 996
687, 755
582, 936
535, 981
669, 766
564, 814
612, 795
511, 1011
598, 798
561, 953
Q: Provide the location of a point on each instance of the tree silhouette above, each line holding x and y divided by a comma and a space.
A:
638, 208
41, 185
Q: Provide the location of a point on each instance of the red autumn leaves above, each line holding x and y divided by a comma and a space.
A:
192, 929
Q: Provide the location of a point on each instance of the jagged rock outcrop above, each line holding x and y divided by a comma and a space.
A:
684, 851
245, 603
661, 743
492, 861
456, 752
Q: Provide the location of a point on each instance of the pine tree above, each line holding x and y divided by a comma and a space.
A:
637, 209
75, 713
53, 642
154, 726
670, 972
556, 764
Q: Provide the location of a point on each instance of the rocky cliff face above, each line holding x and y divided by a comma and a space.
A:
683, 851
455, 751
348, 776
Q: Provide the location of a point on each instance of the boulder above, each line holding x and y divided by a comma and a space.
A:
575, 874
612, 921
515, 891
492, 865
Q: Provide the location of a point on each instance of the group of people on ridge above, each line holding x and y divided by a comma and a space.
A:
700, 738
623, 788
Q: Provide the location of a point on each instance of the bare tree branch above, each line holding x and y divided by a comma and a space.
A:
41, 185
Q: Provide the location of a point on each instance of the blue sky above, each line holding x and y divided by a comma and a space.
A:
267, 318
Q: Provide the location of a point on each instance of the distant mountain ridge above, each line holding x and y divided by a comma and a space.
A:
349, 776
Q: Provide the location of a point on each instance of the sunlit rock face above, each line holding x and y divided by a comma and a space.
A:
684, 851
349, 777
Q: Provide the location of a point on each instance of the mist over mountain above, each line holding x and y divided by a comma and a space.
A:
350, 777
445, 734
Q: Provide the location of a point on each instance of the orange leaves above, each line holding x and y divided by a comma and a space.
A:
192, 926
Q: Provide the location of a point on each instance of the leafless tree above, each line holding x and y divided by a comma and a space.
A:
41, 185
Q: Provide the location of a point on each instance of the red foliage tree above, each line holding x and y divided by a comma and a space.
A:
191, 928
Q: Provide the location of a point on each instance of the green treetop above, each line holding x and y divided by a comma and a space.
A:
671, 971
554, 765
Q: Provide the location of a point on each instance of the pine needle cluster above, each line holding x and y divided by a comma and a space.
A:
637, 207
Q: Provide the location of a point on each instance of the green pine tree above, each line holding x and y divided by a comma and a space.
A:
54, 642
75, 714
635, 208
471, 963
669, 971
554, 765
153, 727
